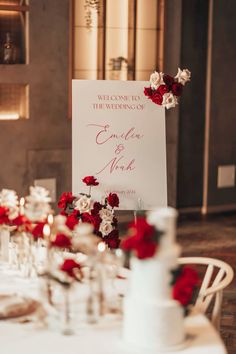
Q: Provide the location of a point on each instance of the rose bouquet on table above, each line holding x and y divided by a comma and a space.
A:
83, 209
9, 211
37, 206
33, 210
9, 208
33, 215
66, 274
164, 90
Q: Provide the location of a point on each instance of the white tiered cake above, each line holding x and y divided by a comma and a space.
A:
152, 319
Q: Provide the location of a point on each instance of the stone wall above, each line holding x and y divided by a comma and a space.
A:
40, 147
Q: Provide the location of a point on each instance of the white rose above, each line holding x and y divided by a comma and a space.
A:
105, 228
106, 215
169, 100
83, 204
38, 195
13, 213
183, 76
8, 198
156, 79
37, 211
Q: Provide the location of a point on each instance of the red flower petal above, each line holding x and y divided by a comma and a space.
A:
69, 265
90, 181
65, 199
61, 241
113, 200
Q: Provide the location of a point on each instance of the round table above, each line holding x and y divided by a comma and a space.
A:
102, 338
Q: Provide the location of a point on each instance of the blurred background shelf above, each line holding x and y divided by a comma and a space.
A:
14, 57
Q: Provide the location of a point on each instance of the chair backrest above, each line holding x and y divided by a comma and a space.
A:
218, 276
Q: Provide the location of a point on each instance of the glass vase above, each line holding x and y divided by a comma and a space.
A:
4, 244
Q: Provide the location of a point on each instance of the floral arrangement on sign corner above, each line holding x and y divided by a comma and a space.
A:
82, 209
143, 242
164, 90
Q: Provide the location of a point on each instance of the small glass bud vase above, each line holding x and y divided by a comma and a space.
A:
67, 323
92, 306
4, 244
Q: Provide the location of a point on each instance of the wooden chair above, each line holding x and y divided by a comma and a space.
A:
218, 276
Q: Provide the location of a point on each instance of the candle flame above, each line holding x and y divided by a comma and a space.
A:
46, 230
50, 219
101, 247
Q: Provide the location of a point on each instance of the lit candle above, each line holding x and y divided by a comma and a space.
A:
22, 206
46, 231
46, 234
101, 275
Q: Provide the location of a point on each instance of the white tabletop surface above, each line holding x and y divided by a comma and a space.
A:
102, 338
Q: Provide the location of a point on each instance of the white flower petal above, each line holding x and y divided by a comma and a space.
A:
169, 100
105, 228
83, 204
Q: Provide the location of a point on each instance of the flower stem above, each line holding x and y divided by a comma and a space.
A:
67, 329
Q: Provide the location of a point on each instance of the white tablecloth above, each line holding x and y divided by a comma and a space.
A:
102, 338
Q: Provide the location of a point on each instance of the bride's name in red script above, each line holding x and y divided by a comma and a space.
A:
104, 134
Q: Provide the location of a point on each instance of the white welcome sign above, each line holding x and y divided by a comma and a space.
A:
119, 137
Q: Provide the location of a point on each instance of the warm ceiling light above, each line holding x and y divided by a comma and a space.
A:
9, 13
8, 2
9, 116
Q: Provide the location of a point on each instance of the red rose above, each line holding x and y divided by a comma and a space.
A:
72, 220
61, 241
162, 89
96, 208
177, 89
189, 275
65, 199
168, 80
69, 267
113, 200
112, 240
157, 98
90, 181
129, 243
37, 231
95, 220
184, 287
4, 216
23, 222
182, 292
146, 249
114, 222
148, 92
64, 213
142, 230
142, 241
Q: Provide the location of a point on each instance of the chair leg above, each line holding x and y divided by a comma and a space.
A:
216, 313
